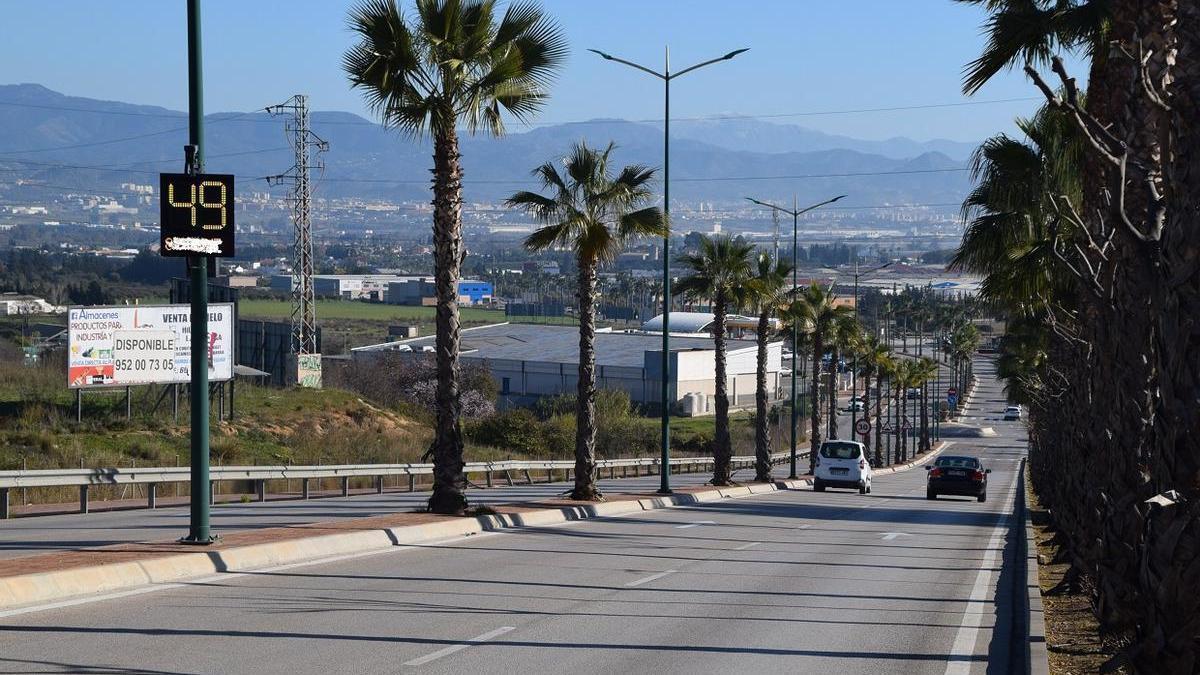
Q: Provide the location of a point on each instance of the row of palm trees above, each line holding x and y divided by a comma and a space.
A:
1084, 229
593, 210
462, 64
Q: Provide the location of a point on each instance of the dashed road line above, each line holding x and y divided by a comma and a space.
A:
646, 580
453, 649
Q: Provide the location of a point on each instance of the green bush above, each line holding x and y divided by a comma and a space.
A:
517, 430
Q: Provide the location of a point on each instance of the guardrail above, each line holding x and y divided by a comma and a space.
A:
152, 477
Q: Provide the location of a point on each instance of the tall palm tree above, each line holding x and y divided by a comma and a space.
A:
871, 361
886, 366
592, 212
925, 369
845, 335
766, 293
721, 265
816, 312
456, 62
1020, 31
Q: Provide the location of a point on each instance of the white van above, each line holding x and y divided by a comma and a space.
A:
843, 464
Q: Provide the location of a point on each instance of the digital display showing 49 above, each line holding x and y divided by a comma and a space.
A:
196, 214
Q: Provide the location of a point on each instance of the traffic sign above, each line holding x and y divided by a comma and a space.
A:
863, 427
906, 424
952, 399
952, 392
887, 426
196, 214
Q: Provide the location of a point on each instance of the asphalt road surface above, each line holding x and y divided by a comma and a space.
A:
794, 581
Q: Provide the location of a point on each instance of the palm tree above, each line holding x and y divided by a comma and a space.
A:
1020, 31
765, 293
845, 335
815, 310
872, 360
717, 270
592, 212
925, 369
902, 378
454, 63
886, 371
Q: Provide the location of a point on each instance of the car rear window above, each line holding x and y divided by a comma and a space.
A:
839, 450
957, 463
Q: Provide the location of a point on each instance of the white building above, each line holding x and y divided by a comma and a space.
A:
12, 304
530, 361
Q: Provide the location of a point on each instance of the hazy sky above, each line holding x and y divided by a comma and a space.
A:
806, 56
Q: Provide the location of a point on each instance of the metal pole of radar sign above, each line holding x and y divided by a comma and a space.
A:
196, 221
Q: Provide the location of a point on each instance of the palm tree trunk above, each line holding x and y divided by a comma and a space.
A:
866, 398
814, 409
833, 379
585, 397
900, 457
449, 481
879, 422
762, 439
924, 417
722, 444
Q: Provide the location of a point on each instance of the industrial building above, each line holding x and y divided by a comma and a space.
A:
423, 291
531, 361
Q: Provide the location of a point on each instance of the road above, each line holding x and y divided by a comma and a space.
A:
794, 581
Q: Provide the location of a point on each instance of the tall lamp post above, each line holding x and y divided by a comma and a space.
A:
795, 214
854, 374
666, 76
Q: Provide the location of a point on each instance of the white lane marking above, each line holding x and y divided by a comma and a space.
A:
743, 547
888, 536
698, 523
977, 605
452, 649
652, 577
803, 527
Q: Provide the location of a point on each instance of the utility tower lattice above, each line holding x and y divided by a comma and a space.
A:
304, 141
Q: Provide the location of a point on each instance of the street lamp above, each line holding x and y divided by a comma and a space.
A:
666, 76
795, 214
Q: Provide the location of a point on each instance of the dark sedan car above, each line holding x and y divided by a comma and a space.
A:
963, 476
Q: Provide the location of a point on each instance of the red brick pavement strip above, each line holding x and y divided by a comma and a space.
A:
107, 555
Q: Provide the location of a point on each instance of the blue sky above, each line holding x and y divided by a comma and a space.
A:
806, 56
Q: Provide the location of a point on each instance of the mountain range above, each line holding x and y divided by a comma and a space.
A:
67, 141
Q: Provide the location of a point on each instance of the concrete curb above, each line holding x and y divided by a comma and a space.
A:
39, 588
1037, 660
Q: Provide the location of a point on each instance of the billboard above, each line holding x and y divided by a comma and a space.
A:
143, 344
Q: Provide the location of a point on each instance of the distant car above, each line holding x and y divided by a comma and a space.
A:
1012, 412
913, 393
843, 464
964, 476
855, 405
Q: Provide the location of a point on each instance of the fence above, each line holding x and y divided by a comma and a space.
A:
152, 477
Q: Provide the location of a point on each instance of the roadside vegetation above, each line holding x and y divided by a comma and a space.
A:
1084, 229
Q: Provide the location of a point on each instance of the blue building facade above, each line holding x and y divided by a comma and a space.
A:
474, 289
